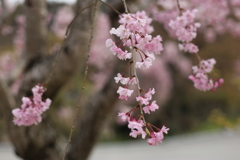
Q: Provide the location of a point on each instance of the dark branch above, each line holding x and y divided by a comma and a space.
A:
36, 30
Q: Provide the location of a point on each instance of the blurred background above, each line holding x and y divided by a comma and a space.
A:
185, 110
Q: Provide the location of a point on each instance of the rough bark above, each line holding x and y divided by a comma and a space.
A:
35, 28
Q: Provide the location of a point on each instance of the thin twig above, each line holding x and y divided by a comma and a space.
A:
3, 14
125, 6
179, 7
83, 82
110, 7
68, 28
62, 45
198, 57
138, 84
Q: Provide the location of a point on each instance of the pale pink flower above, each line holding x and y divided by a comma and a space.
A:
124, 116
146, 110
156, 137
135, 133
189, 47
150, 93
121, 79
110, 43
152, 141
133, 32
136, 128
135, 124
164, 129
142, 100
132, 80
31, 109
151, 107
144, 65
124, 93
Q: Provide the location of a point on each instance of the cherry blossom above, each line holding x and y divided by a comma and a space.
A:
188, 47
124, 93
186, 30
31, 108
136, 128
156, 137
124, 116
151, 107
134, 32
200, 78
142, 100
121, 79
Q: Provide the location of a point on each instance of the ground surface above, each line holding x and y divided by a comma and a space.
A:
223, 145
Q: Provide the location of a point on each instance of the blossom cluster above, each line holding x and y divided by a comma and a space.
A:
200, 78
134, 33
185, 29
31, 108
124, 93
139, 127
144, 100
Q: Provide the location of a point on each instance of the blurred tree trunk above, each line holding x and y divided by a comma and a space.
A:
40, 142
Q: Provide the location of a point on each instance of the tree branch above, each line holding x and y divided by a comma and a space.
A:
3, 13
36, 30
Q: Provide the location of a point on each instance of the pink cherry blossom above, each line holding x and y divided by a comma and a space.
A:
142, 100
156, 137
110, 43
150, 93
164, 129
124, 116
200, 78
184, 26
134, 32
135, 133
132, 80
151, 107
188, 47
144, 64
31, 108
124, 93
136, 128
121, 79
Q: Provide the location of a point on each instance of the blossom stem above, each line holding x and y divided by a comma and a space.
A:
138, 85
125, 6
198, 57
110, 7
179, 7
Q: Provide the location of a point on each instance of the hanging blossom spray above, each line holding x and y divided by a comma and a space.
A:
185, 29
134, 33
